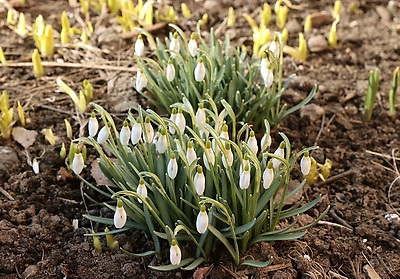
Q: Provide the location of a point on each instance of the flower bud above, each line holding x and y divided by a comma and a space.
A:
192, 46
148, 131
136, 133
141, 80
199, 71
274, 48
246, 162
199, 181
268, 175
78, 163
208, 155
162, 143
139, 46
244, 181
202, 220
172, 168
35, 166
172, 118
228, 160
279, 152
224, 133
305, 163
252, 142
175, 253
103, 135
170, 71
201, 118
125, 134
174, 45
265, 142
180, 121
191, 155
93, 125
141, 190
266, 72
119, 215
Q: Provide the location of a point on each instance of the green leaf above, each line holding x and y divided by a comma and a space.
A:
239, 230
299, 210
109, 221
172, 266
106, 233
194, 264
278, 237
222, 238
144, 254
256, 263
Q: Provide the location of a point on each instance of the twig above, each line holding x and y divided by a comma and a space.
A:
5, 193
56, 109
275, 267
150, 29
230, 272
382, 155
337, 275
335, 217
323, 126
334, 225
337, 177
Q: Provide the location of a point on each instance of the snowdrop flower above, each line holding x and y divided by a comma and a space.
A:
172, 118
136, 133
35, 166
78, 163
175, 253
125, 134
139, 46
103, 135
191, 155
228, 160
274, 48
199, 181
172, 168
93, 125
201, 119
224, 133
180, 121
246, 162
174, 45
208, 155
170, 71
244, 181
265, 142
279, 152
162, 143
268, 175
266, 71
141, 80
148, 131
305, 163
202, 220
252, 142
119, 215
141, 190
192, 46
200, 71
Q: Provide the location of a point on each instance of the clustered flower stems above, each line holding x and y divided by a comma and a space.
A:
373, 85
195, 182
193, 69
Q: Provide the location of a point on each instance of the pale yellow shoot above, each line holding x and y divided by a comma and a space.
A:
49, 136
2, 57
231, 17
285, 35
265, 15
185, 11
303, 47
47, 42
84, 7
68, 128
332, 39
204, 20
79, 102
282, 17
7, 114
21, 28
37, 64
10, 17
307, 24
84, 36
337, 8
21, 114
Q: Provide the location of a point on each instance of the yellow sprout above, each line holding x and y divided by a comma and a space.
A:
204, 20
37, 64
111, 242
332, 39
307, 24
301, 52
80, 102
7, 114
318, 171
2, 57
185, 11
10, 17
65, 22
21, 28
68, 128
87, 90
64, 36
84, 7
265, 15
97, 243
49, 136
84, 36
337, 8
285, 35
282, 16
277, 6
63, 151
231, 17
47, 43
21, 114
146, 14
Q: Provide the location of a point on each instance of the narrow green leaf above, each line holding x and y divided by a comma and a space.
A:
172, 266
194, 264
256, 263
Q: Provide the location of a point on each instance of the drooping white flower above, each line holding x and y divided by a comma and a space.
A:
136, 133
78, 163
156, 137
244, 180
103, 135
191, 155
119, 215
162, 143
224, 132
93, 125
268, 175
200, 71
274, 48
245, 162
228, 160
141, 190
305, 163
180, 121
148, 131
139, 46
141, 80
201, 119
35, 166
192, 46
175, 253
280, 151
125, 134
172, 168
266, 72
202, 220
172, 118
199, 181
265, 142
174, 45
208, 155
252, 142
170, 71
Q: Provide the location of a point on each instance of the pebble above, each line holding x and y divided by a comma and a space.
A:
312, 111
30, 271
320, 18
384, 14
317, 43
302, 83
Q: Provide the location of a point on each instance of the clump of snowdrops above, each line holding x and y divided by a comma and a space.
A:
191, 68
191, 179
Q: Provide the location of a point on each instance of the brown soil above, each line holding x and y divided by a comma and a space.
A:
353, 241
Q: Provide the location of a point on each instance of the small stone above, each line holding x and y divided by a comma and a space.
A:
24, 137
317, 43
320, 18
293, 26
384, 14
30, 271
312, 111
302, 83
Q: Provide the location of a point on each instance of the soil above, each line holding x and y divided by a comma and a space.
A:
354, 240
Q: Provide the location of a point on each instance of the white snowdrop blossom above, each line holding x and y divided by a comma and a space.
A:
162, 143
224, 132
119, 215
245, 162
35, 166
139, 46
280, 151
175, 253
191, 155
174, 45
172, 118
244, 180
136, 133
199, 181
141, 190
268, 175
148, 131
265, 142
172, 168
305, 163
208, 156
170, 71
192, 46
103, 135
266, 72
141, 80
274, 48
227, 160
201, 119
125, 134
252, 142
78, 163
180, 121
202, 220
200, 71
93, 125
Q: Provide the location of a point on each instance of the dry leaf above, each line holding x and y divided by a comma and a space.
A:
371, 272
24, 137
98, 175
202, 272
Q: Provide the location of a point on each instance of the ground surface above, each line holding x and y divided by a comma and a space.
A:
36, 236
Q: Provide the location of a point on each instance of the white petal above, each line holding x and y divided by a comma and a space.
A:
192, 46
170, 72
119, 217
265, 142
244, 181
199, 72
199, 183
228, 161
174, 46
142, 191
180, 121
172, 168
202, 222
172, 118
274, 48
93, 126
191, 155
148, 132
268, 77
141, 81
103, 135
252, 143
162, 144
268, 177
35, 166
136, 133
211, 158
175, 254
279, 152
305, 165
124, 135
78, 163
201, 118
139, 47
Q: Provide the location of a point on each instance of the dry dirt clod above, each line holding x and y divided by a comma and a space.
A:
30, 271
317, 43
24, 137
312, 111
320, 18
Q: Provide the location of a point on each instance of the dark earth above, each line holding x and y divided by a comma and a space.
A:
354, 240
